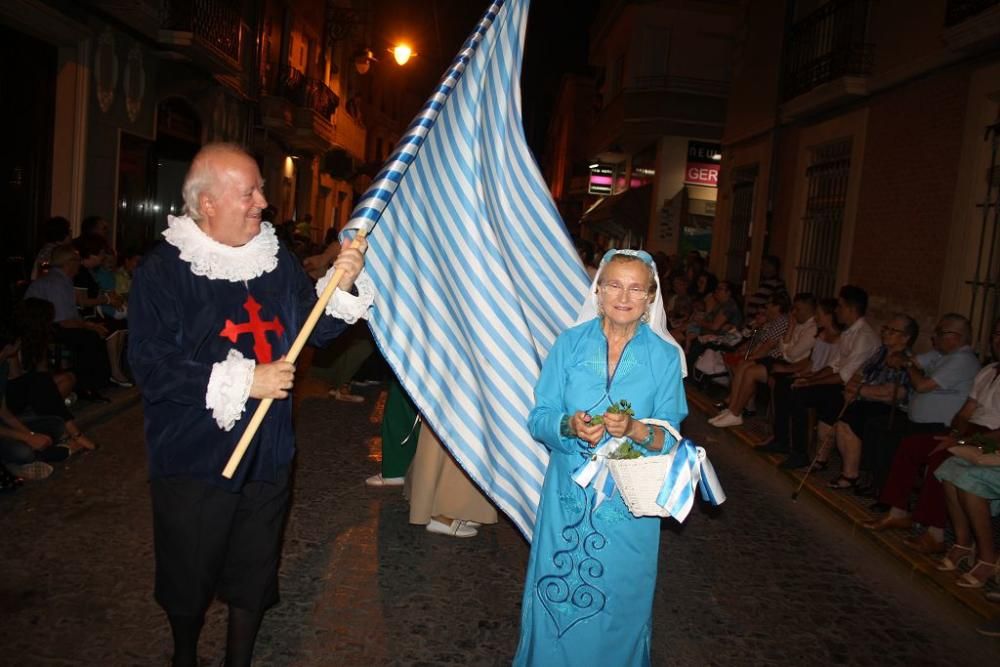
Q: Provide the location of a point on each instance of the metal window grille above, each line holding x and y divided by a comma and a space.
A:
984, 307
827, 44
823, 221
741, 219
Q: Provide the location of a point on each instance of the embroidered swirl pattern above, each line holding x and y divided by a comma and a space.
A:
570, 594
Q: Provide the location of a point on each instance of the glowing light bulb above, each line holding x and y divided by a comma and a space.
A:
402, 53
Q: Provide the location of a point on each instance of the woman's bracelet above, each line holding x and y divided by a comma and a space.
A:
646, 442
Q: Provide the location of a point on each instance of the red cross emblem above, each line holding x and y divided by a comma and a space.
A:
255, 326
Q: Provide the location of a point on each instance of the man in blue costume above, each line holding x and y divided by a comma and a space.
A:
588, 596
213, 311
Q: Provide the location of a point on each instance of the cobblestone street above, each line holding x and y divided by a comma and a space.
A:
759, 581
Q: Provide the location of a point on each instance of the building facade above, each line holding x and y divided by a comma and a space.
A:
860, 147
663, 75
115, 97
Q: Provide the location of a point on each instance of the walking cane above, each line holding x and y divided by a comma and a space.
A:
824, 446
293, 354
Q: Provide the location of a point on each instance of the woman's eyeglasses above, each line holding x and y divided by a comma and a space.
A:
614, 290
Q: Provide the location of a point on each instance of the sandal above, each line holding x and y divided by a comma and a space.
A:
956, 557
843, 482
971, 579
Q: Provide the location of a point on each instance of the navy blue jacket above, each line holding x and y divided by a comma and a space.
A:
176, 325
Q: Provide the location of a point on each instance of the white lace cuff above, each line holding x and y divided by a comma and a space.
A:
229, 389
344, 305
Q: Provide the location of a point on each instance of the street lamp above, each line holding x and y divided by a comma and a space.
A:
402, 53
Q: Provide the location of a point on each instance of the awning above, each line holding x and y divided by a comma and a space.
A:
619, 214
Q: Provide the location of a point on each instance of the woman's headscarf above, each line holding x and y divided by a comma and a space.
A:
657, 314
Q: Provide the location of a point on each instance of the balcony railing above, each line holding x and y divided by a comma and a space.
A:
960, 10
215, 22
301, 90
826, 45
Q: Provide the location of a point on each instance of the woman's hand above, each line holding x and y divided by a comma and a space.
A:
273, 380
580, 424
351, 260
618, 424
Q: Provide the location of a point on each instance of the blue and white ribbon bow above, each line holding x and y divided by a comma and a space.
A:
689, 468
595, 471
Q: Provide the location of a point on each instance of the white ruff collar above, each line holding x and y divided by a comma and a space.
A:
219, 261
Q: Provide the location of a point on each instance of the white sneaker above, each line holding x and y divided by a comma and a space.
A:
32, 471
719, 416
379, 480
458, 528
727, 420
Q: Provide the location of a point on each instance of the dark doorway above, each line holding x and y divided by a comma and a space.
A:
151, 173
27, 87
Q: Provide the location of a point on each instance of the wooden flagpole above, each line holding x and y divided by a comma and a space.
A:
293, 354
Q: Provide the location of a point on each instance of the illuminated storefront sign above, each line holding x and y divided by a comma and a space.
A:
703, 164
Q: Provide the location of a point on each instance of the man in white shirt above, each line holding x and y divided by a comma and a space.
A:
824, 389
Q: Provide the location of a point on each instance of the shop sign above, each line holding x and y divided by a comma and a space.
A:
703, 164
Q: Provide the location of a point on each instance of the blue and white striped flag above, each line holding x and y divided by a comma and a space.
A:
474, 270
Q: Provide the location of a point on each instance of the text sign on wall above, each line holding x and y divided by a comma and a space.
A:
601, 180
703, 164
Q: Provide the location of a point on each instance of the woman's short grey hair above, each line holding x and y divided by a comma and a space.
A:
203, 174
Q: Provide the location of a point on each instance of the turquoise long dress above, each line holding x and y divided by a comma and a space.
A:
588, 597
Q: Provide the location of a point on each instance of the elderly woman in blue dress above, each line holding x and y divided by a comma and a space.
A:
588, 597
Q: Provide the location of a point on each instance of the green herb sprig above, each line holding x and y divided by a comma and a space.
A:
621, 407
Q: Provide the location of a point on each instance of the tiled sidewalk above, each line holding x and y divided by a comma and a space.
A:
755, 431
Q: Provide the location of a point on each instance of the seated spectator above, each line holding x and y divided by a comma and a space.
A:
678, 289
123, 274
30, 386
971, 480
823, 390
979, 414
85, 340
722, 315
783, 374
761, 353
770, 283
92, 250
702, 285
874, 391
55, 231
940, 381
95, 225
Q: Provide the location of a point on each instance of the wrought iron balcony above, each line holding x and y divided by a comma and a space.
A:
961, 10
303, 91
207, 27
826, 45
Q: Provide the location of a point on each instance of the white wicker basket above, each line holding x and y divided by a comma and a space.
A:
639, 480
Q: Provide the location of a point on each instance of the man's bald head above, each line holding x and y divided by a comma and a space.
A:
207, 172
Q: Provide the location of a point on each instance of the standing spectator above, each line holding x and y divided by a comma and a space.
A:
824, 389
